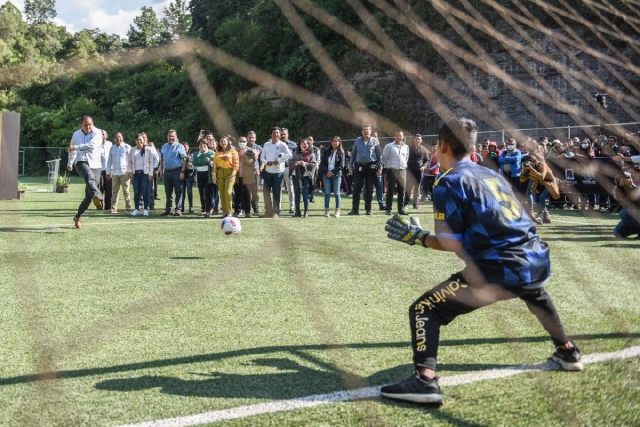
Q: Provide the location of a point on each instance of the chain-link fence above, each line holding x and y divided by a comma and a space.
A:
33, 159
500, 136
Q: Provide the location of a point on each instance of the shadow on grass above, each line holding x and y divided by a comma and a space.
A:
263, 351
186, 257
295, 380
41, 230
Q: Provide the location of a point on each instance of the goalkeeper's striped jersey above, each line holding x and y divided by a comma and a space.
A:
476, 206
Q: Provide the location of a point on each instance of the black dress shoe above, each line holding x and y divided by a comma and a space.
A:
403, 212
353, 213
369, 213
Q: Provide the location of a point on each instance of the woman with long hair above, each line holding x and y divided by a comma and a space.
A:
225, 168
302, 167
331, 165
141, 167
202, 163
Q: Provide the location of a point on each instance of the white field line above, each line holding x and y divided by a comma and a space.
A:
367, 393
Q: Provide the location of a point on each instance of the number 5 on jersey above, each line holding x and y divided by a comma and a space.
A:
511, 209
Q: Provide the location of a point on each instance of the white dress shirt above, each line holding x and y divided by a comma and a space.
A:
395, 156
87, 148
278, 152
118, 160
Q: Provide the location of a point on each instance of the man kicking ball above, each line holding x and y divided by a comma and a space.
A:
478, 217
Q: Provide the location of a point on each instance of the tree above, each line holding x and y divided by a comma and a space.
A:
39, 11
177, 19
146, 30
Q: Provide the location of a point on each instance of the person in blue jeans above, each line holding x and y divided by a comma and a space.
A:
540, 175
187, 182
172, 169
141, 161
331, 165
627, 193
302, 166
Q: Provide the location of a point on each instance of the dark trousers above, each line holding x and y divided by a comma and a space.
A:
140, 189
171, 184
254, 195
301, 189
360, 174
241, 196
153, 192
106, 189
272, 183
215, 196
91, 178
454, 297
412, 186
187, 190
427, 185
399, 177
154, 185
204, 188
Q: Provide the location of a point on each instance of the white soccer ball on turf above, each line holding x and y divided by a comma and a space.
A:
230, 225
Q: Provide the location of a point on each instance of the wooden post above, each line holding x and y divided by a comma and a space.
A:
9, 155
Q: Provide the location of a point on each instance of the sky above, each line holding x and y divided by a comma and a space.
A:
110, 16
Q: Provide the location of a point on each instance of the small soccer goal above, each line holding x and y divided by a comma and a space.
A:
54, 167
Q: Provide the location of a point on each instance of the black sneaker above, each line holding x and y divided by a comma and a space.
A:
368, 213
569, 360
416, 389
353, 213
387, 212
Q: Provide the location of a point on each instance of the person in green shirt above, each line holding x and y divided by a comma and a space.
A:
202, 162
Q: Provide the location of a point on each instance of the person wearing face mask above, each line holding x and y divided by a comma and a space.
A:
585, 150
510, 167
491, 156
245, 183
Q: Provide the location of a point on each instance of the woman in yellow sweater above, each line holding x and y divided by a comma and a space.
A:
223, 173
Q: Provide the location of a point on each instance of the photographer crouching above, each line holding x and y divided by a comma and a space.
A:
539, 173
627, 193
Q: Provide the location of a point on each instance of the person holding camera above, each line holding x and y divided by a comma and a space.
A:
627, 193
540, 174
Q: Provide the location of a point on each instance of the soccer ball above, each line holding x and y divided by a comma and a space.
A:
230, 225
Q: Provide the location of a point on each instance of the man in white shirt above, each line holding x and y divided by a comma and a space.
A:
84, 152
395, 156
275, 154
118, 172
105, 183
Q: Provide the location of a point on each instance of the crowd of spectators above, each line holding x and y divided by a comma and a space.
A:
229, 173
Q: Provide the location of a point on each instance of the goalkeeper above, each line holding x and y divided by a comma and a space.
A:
478, 217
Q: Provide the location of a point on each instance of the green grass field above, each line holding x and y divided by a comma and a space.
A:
142, 319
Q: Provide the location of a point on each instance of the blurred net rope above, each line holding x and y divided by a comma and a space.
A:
530, 44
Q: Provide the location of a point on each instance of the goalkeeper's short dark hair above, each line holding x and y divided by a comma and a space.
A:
460, 135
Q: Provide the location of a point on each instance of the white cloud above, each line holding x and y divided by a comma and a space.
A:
77, 15
117, 23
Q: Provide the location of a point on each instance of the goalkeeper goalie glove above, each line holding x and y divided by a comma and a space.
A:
399, 228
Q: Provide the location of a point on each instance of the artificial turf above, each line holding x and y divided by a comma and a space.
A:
138, 319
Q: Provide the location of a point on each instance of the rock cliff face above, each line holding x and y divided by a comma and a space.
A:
390, 93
